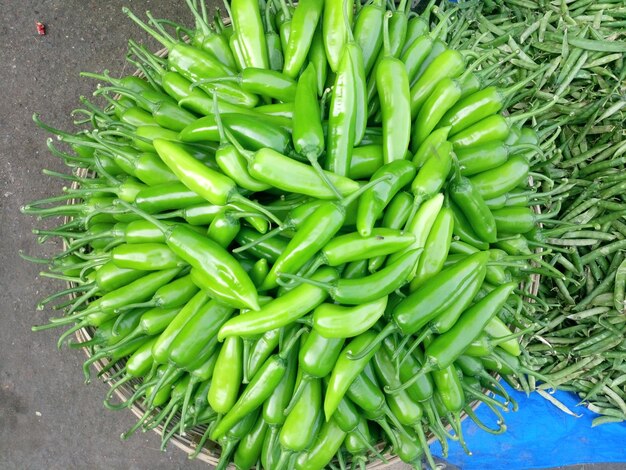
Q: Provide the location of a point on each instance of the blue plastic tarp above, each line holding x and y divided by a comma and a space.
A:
538, 435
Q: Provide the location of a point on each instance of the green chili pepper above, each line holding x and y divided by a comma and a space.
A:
373, 202
255, 131
359, 442
219, 272
175, 294
313, 234
366, 393
263, 82
166, 196
106, 307
229, 441
272, 39
281, 311
368, 32
354, 247
392, 84
396, 217
490, 129
259, 271
232, 163
227, 376
366, 289
257, 391
303, 25
289, 175
145, 256
450, 392
346, 370
342, 119
496, 329
184, 58
366, 160
146, 166
436, 248
481, 105
317, 57
196, 341
316, 359
415, 55
325, 447
274, 408
248, 451
446, 348
433, 299
502, 179
408, 412
474, 160
335, 321
335, 29
109, 277
448, 64
518, 219
416, 28
468, 198
432, 175
462, 228
261, 350
248, 28
420, 225
208, 40
308, 134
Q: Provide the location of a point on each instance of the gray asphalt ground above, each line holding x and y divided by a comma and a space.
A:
48, 417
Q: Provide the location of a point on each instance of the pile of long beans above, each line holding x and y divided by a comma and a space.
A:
305, 231
580, 344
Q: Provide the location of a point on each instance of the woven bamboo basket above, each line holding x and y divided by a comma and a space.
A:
188, 442
210, 453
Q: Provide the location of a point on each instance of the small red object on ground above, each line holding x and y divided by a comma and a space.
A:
41, 28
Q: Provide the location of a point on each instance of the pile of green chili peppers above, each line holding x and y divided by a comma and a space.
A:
579, 342
309, 233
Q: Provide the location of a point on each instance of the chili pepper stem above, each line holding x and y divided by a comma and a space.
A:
154, 422
426, 368
420, 339
424, 443
306, 378
82, 299
92, 360
183, 413
388, 330
456, 424
169, 418
262, 238
167, 375
137, 425
256, 206
470, 412
41, 304
69, 332
167, 436
118, 320
162, 39
484, 398
313, 160
436, 427
115, 376
370, 447
111, 391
